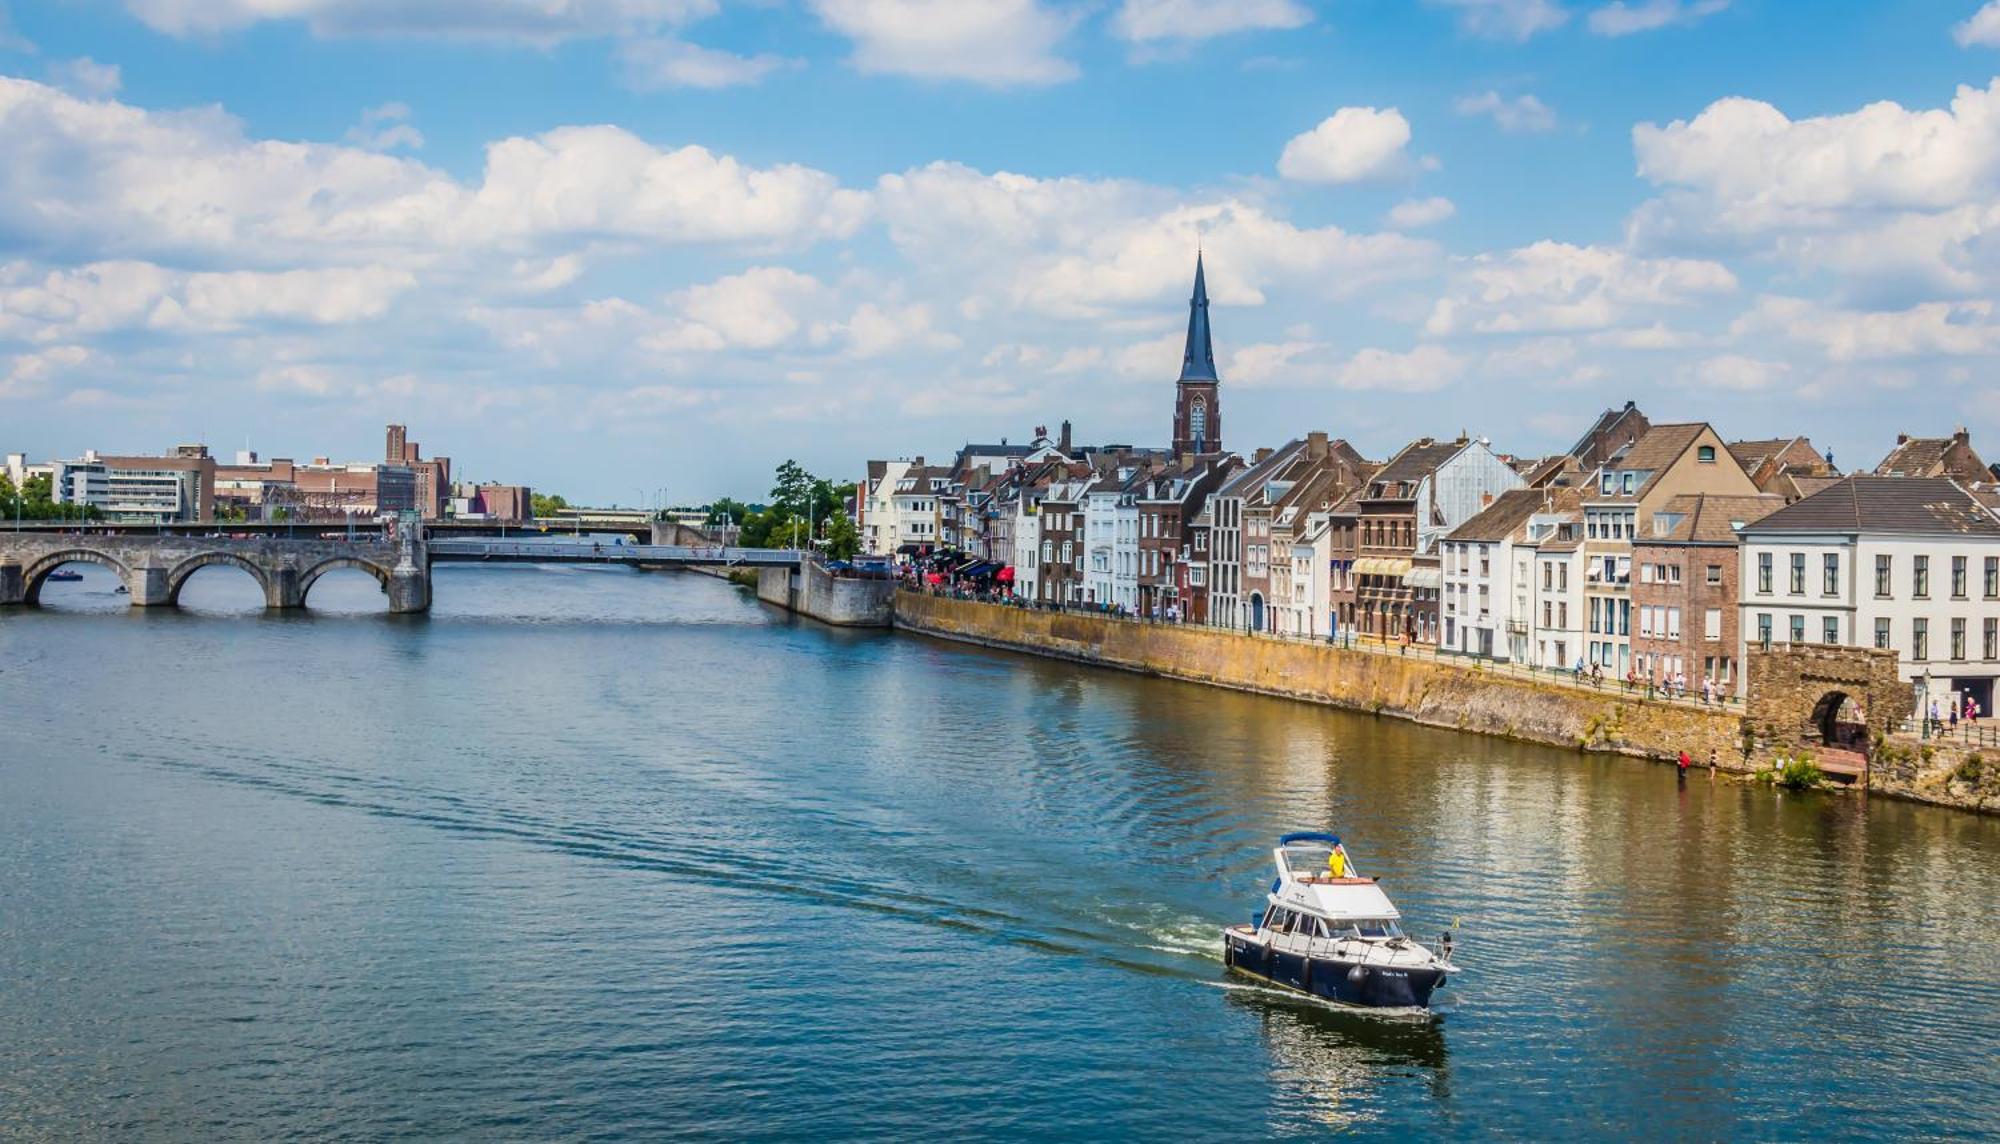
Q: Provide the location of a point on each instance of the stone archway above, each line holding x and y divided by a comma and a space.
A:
1833, 701
311, 575
37, 573
179, 574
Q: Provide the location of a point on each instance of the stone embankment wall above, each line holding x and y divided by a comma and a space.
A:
1462, 697
814, 592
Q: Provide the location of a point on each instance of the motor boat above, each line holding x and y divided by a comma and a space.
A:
1328, 931
65, 575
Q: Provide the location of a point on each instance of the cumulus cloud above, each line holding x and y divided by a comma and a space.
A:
1737, 372
540, 22
1505, 19
28, 374
998, 43
1410, 214
1623, 18
1521, 113
106, 296
1146, 21
667, 62
1554, 287
1354, 144
1421, 370
1981, 29
1947, 329
180, 184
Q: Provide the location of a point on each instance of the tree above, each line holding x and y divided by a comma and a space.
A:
794, 489
843, 540
549, 505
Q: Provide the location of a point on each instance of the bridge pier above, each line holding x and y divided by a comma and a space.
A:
147, 585
409, 591
13, 586
281, 588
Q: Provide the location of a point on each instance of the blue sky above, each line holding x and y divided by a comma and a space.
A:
605, 246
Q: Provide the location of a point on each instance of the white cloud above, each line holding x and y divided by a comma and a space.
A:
106, 296
86, 77
1143, 21
1505, 19
385, 128
999, 43
667, 62
1981, 29
1354, 144
1522, 113
1948, 329
1421, 370
1410, 214
757, 309
1737, 372
137, 182
1623, 18
1269, 364
28, 374
541, 22
1553, 287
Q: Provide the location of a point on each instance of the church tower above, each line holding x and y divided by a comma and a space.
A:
1197, 405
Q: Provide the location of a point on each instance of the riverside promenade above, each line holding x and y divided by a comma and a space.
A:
1550, 708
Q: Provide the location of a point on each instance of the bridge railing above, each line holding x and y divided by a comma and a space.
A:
465, 548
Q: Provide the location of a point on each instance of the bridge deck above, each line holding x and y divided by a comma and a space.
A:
463, 549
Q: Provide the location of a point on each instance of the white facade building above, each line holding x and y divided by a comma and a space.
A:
1907, 564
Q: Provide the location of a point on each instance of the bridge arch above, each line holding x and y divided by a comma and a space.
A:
311, 575
37, 573
178, 575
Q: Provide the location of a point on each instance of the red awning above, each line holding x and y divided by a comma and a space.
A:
933, 578
1006, 575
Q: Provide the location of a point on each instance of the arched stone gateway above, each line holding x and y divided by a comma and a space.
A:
36, 573
1832, 701
177, 576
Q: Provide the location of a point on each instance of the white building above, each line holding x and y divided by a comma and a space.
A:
878, 505
1555, 608
1907, 564
1027, 546
1111, 540
1488, 567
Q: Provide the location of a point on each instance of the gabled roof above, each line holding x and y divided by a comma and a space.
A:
1606, 425
1711, 518
1653, 454
1263, 470
1929, 457
1910, 506
1418, 460
1497, 521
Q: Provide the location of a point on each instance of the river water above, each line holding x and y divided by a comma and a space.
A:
589, 853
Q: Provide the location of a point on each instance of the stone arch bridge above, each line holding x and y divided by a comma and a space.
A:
155, 567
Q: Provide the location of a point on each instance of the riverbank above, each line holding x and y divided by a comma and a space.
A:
1462, 696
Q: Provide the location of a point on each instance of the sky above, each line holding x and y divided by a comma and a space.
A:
631, 250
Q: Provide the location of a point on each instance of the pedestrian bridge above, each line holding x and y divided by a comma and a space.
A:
154, 567
587, 552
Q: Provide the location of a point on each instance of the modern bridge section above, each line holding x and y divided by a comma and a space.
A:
155, 567
585, 552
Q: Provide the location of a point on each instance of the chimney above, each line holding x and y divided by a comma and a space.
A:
1187, 460
1261, 455
1464, 438
397, 437
1062, 445
1902, 438
1316, 445
1485, 500
1963, 436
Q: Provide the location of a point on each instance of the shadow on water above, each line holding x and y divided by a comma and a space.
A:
1336, 1061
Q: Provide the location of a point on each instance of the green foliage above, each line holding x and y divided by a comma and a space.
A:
550, 504
842, 539
1970, 770
36, 501
804, 510
1800, 774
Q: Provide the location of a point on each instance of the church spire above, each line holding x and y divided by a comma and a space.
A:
1198, 361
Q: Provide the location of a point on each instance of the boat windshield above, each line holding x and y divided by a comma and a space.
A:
1369, 927
1306, 857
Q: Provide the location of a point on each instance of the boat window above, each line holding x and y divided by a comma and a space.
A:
1319, 928
1377, 927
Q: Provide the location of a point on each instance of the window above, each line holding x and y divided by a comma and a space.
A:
1958, 577
1705, 454
1920, 578
1673, 623
1630, 482
1830, 630
1048, 550
1198, 421
1673, 573
1624, 618
1548, 575
1763, 573
1882, 572
1764, 628
1714, 574
1596, 614
1711, 628
1798, 573
1958, 637
1798, 629
1608, 484
1882, 634
1562, 614
1920, 639
1831, 575
1991, 639
1993, 577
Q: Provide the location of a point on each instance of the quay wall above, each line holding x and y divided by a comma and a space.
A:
814, 592
1461, 697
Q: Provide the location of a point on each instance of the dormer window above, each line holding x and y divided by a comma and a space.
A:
1705, 454
1609, 484
1631, 482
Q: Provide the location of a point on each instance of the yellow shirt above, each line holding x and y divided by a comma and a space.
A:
1337, 863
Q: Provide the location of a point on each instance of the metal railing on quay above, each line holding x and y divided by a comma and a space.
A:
1965, 733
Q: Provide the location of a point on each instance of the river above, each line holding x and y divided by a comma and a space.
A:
591, 853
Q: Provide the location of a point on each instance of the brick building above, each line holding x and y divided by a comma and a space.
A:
1684, 588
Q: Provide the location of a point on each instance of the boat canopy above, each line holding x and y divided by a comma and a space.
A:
1309, 836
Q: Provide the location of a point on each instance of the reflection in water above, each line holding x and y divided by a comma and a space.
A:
1336, 1060
595, 853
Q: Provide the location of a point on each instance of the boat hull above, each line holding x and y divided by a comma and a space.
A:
1387, 987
